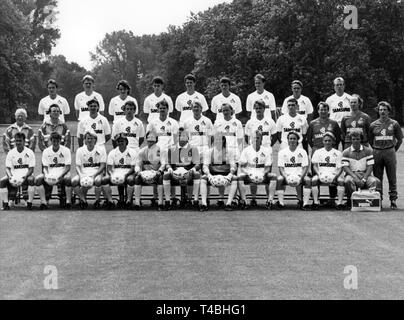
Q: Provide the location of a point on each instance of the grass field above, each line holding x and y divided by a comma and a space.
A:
189, 255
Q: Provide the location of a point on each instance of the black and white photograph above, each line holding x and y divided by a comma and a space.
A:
201, 154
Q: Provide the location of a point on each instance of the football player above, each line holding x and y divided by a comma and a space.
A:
150, 104
261, 94
52, 99
56, 163
339, 101
327, 167
117, 104
305, 107
81, 100
293, 166
20, 164
225, 97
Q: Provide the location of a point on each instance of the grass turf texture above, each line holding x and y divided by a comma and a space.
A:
252, 254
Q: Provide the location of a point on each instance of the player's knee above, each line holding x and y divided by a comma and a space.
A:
4, 182
130, 180
167, 176
106, 180
39, 180
75, 181
98, 181
315, 181
31, 181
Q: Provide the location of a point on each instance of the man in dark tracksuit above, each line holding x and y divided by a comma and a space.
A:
385, 138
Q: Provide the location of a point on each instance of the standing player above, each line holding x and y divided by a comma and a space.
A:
266, 126
291, 122
121, 162
293, 165
200, 129
339, 101
261, 94
51, 99
358, 162
81, 100
385, 137
327, 167
20, 165
231, 129
53, 124
357, 120
116, 106
183, 103
149, 169
150, 105
225, 97
19, 126
56, 163
95, 121
304, 105
256, 160
131, 126
90, 166
183, 156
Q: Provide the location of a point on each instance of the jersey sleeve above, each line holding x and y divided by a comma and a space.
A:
80, 128
9, 163
284, 109
76, 102
281, 161
398, 133
45, 161
65, 107
107, 127
369, 158
31, 162
268, 159
272, 103
141, 132
240, 131
305, 127
79, 155
316, 157
243, 157
272, 125
247, 128
249, 103
213, 104
103, 155
110, 158
41, 108
345, 158
170, 104
178, 106
101, 102
204, 103
110, 107
310, 108
239, 107
305, 161
339, 159
279, 124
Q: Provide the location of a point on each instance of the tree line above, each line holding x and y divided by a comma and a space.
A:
282, 39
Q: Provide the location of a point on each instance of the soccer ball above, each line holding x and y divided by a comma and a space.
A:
117, 178
180, 173
148, 176
327, 178
16, 181
51, 179
86, 182
293, 180
255, 176
219, 181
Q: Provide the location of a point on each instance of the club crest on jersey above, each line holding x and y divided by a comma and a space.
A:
121, 161
227, 128
292, 125
90, 160
163, 128
197, 128
322, 130
340, 104
93, 126
123, 108
293, 160
189, 102
327, 159
383, 132
390, 127
255, 160
127, 129
19, 161
55, 160
353, 124
259, 128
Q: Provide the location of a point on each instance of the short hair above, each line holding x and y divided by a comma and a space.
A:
227, 105
52, 81
196, 103
360, 100
321, 104
339, 79
93, 100
225, 80
329, 134
163, 103
121, 135
385, 104
356, 133
158, 80
55, 135
298, 82
19, 135
293, 133
21, 111
54, 105
259, 76
293, 100
124, 84
190, 77
90, 132
260, 103
130, 103
88, 77
181, 131
151, 132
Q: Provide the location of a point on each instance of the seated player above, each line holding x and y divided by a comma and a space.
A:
56, 163
255, 168
90, 165
183, 157
19, 126
219, 161
327, 169
53, 124
293, 165
149, 169
120, 170
20, 164
357, 161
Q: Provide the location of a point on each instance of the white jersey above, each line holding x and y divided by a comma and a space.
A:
220, 99
20, 162
200, 131
267, 127
328, 161
122, 161
80, 103
56, 161
90, 161
293, 162
267, 97
286, 124
45, 103
256, 158
183, 104
100, 126
134, 130
339, 106
150, 106
165, 131
232, 130
116, 107
305, 106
